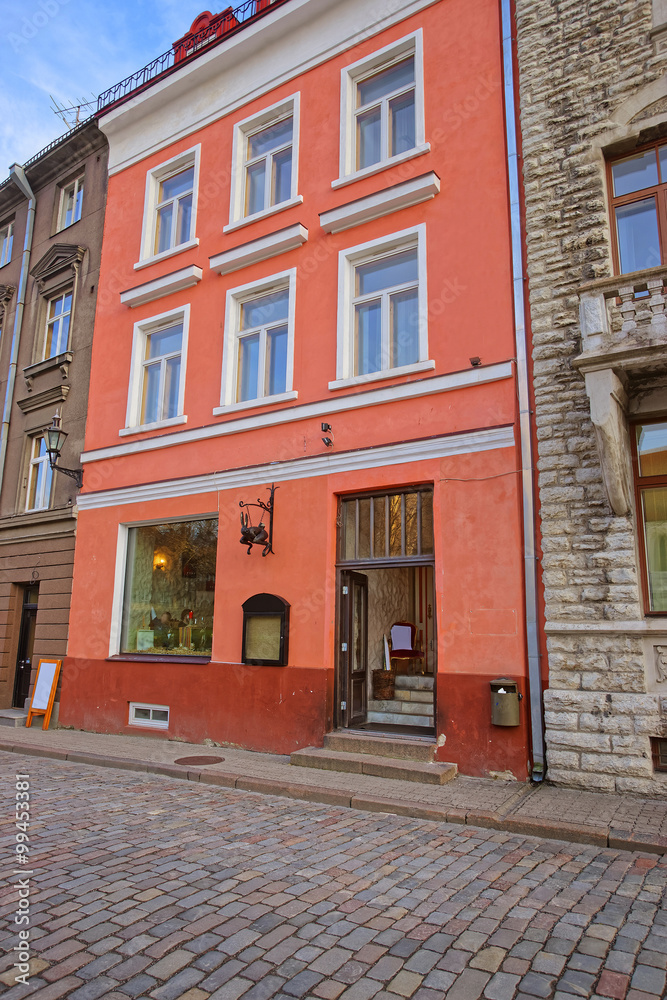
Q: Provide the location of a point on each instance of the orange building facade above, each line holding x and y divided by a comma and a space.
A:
307, 283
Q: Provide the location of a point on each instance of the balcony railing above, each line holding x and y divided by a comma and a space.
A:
624, 312
186, 49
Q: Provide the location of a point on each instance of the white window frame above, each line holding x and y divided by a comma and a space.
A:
148, 723
348, 260
44, 501
6, 243
410, 45
289, 106
175, 165
76, 186
236, 297
135, 394
47, 322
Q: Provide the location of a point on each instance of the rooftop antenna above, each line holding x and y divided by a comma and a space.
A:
73, 114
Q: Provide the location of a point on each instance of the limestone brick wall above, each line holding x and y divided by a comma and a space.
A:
578, 63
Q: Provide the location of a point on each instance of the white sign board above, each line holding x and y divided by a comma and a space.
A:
42, 692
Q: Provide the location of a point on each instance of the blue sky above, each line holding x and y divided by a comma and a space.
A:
73, 50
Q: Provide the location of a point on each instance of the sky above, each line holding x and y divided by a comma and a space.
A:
72, 50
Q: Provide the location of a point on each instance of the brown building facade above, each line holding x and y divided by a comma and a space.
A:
51, 223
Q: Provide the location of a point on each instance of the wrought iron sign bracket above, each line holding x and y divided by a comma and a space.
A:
258, 534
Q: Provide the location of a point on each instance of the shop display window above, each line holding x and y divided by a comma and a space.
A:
170, 588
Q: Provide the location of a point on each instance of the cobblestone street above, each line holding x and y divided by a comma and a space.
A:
148, 886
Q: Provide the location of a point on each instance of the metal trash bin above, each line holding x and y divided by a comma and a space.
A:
504, 702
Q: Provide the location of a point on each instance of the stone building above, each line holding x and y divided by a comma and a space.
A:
593, 105
51, 221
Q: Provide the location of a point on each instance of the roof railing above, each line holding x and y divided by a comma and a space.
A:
187, 48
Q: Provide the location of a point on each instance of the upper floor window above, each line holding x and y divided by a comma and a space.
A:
382, 109
58, 316
71, 201
259, 342
6, 243
264, 163
638, 187
157, 378
170, 207
40, 476
382, 323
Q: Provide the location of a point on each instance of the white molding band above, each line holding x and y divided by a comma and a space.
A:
266, 246
322, 408
374, 206
641, 627
159, 287
489, 439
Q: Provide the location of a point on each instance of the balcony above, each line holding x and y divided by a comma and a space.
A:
216, 29
623, 322
624, 347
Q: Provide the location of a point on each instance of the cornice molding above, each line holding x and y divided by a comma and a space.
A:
57, 258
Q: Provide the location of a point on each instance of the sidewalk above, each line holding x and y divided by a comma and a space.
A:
617, 821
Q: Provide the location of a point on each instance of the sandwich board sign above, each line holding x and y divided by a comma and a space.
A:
45, 691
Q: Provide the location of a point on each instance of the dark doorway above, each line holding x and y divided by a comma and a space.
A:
26, 642
354, 646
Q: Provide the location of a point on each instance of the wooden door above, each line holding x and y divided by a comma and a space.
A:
354, 648
24, 656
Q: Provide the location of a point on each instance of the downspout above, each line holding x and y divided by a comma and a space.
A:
523, 388
17, 174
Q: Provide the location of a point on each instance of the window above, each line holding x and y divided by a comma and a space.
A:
58, 316
40, 476
382, 116
264, 163
154, 716
170, 208
387, 526
71, 200
382, 326
649, 442
169, 591
6, 242
259, 342
157, 379
638, 186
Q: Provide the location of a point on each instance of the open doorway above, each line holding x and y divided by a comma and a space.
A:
25, 646
387, 652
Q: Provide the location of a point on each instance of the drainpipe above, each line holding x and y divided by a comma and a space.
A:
529, 540
18, 176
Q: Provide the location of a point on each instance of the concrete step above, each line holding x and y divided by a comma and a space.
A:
404, 682
397, 747
407, 708
380, 767
13, 717
400, 719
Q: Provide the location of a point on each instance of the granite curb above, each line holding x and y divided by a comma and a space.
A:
599, 834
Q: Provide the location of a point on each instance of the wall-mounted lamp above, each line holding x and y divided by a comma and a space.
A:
257, 534
327, 429
55, 438
159, 562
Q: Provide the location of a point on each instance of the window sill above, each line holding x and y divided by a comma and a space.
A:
156, 658
158, 425
239, 223
62, 229
44, 366
419, 366
358, 175
251, 404
181, 248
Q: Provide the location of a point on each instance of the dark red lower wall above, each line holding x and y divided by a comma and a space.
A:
272, 709
275, 709
472, 742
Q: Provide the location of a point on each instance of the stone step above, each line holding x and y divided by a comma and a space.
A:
404, 682
407, 708
409, 694
400, 719
13, 717
397, 747
378, 766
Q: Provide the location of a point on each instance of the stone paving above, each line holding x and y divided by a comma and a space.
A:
147, 886
612, 820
